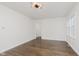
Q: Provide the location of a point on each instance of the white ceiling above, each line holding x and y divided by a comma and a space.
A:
49, 10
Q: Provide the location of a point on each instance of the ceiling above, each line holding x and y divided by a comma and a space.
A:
48, 10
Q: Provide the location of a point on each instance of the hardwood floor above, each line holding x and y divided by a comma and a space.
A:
39, 47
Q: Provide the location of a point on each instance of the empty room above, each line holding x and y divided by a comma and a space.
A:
39, 28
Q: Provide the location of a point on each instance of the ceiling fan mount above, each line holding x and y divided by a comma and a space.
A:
36, 5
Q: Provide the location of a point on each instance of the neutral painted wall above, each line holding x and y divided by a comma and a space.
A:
53, 29
37, 27
74, 42
15, 28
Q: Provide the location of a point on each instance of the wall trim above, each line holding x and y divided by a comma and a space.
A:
53, 39
73, 48
2, 51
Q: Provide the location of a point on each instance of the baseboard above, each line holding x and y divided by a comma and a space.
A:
53, 39
73, 48
2, 51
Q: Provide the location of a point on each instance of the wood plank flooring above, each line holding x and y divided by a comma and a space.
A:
39, 47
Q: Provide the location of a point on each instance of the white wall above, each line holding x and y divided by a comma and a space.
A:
15, 28
53, 29
74, 41
37, 28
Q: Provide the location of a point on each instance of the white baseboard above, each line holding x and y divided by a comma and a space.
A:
32, 39
2, 51
73, 48
66, 41
53, 39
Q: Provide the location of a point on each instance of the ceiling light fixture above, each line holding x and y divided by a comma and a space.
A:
36, 5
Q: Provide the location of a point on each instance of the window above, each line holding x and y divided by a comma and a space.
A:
71, 26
